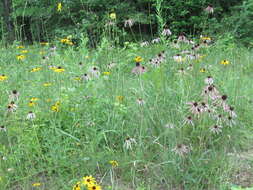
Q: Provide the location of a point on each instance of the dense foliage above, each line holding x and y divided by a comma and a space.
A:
43, 20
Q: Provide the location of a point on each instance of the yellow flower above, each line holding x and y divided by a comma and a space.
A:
106, 73
86, 56
48, 100
36, 184
44, 43
3, 77
58, 69
88, 180
120, 98
114, 163
224, 62
77, 78
36, 69
202, 70
138, 59
46, 84
94, 187
112, 15
20, 57
20, 47
55, 108
24, 51
66, 41
59, 7
33, 99
205, 38
77, 186
31, 104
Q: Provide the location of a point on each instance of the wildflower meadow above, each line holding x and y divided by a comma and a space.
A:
171, 112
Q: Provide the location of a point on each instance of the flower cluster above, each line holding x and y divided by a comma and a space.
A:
87, 183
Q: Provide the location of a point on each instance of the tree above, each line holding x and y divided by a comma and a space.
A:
7, 11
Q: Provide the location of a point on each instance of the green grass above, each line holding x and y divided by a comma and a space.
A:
58, 148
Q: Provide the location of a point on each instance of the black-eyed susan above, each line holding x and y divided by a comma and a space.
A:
114, 163
106, 73
36, 69
58, 69
44, 43
20, 57
20, 47
3, 77
225, 62
32, 103
88, 180
202, 70
77, 186
36, 184
94, 187
138, 59
24, 51
34, 99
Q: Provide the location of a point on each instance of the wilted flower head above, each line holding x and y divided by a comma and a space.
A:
143, 44
181, 149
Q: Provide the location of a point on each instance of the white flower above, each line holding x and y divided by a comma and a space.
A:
169, 126
209, 80
209, 9
216, 129
128, 143
156, 40
14, 95
129, 23
3, 128
31, 116
188, 121
140, 101
85, 77
94, 71
143, 44
166, 32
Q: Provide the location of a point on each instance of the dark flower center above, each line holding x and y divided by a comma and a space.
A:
224, 97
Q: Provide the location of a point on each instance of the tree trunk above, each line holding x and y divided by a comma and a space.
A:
7, 10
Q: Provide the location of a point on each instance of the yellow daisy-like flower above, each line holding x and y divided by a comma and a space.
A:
55, 108
106, 73
36, 184
3, 77
58, 69
20, 47
36, 69
33, 99
77, 78
138, 59
112, 15
206, 38
59, 7
224, 62
20, 57
202, 70
24, 51
89, 180
77, 186
114, 163
44, 43
94, 187
31, 104
46, 84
